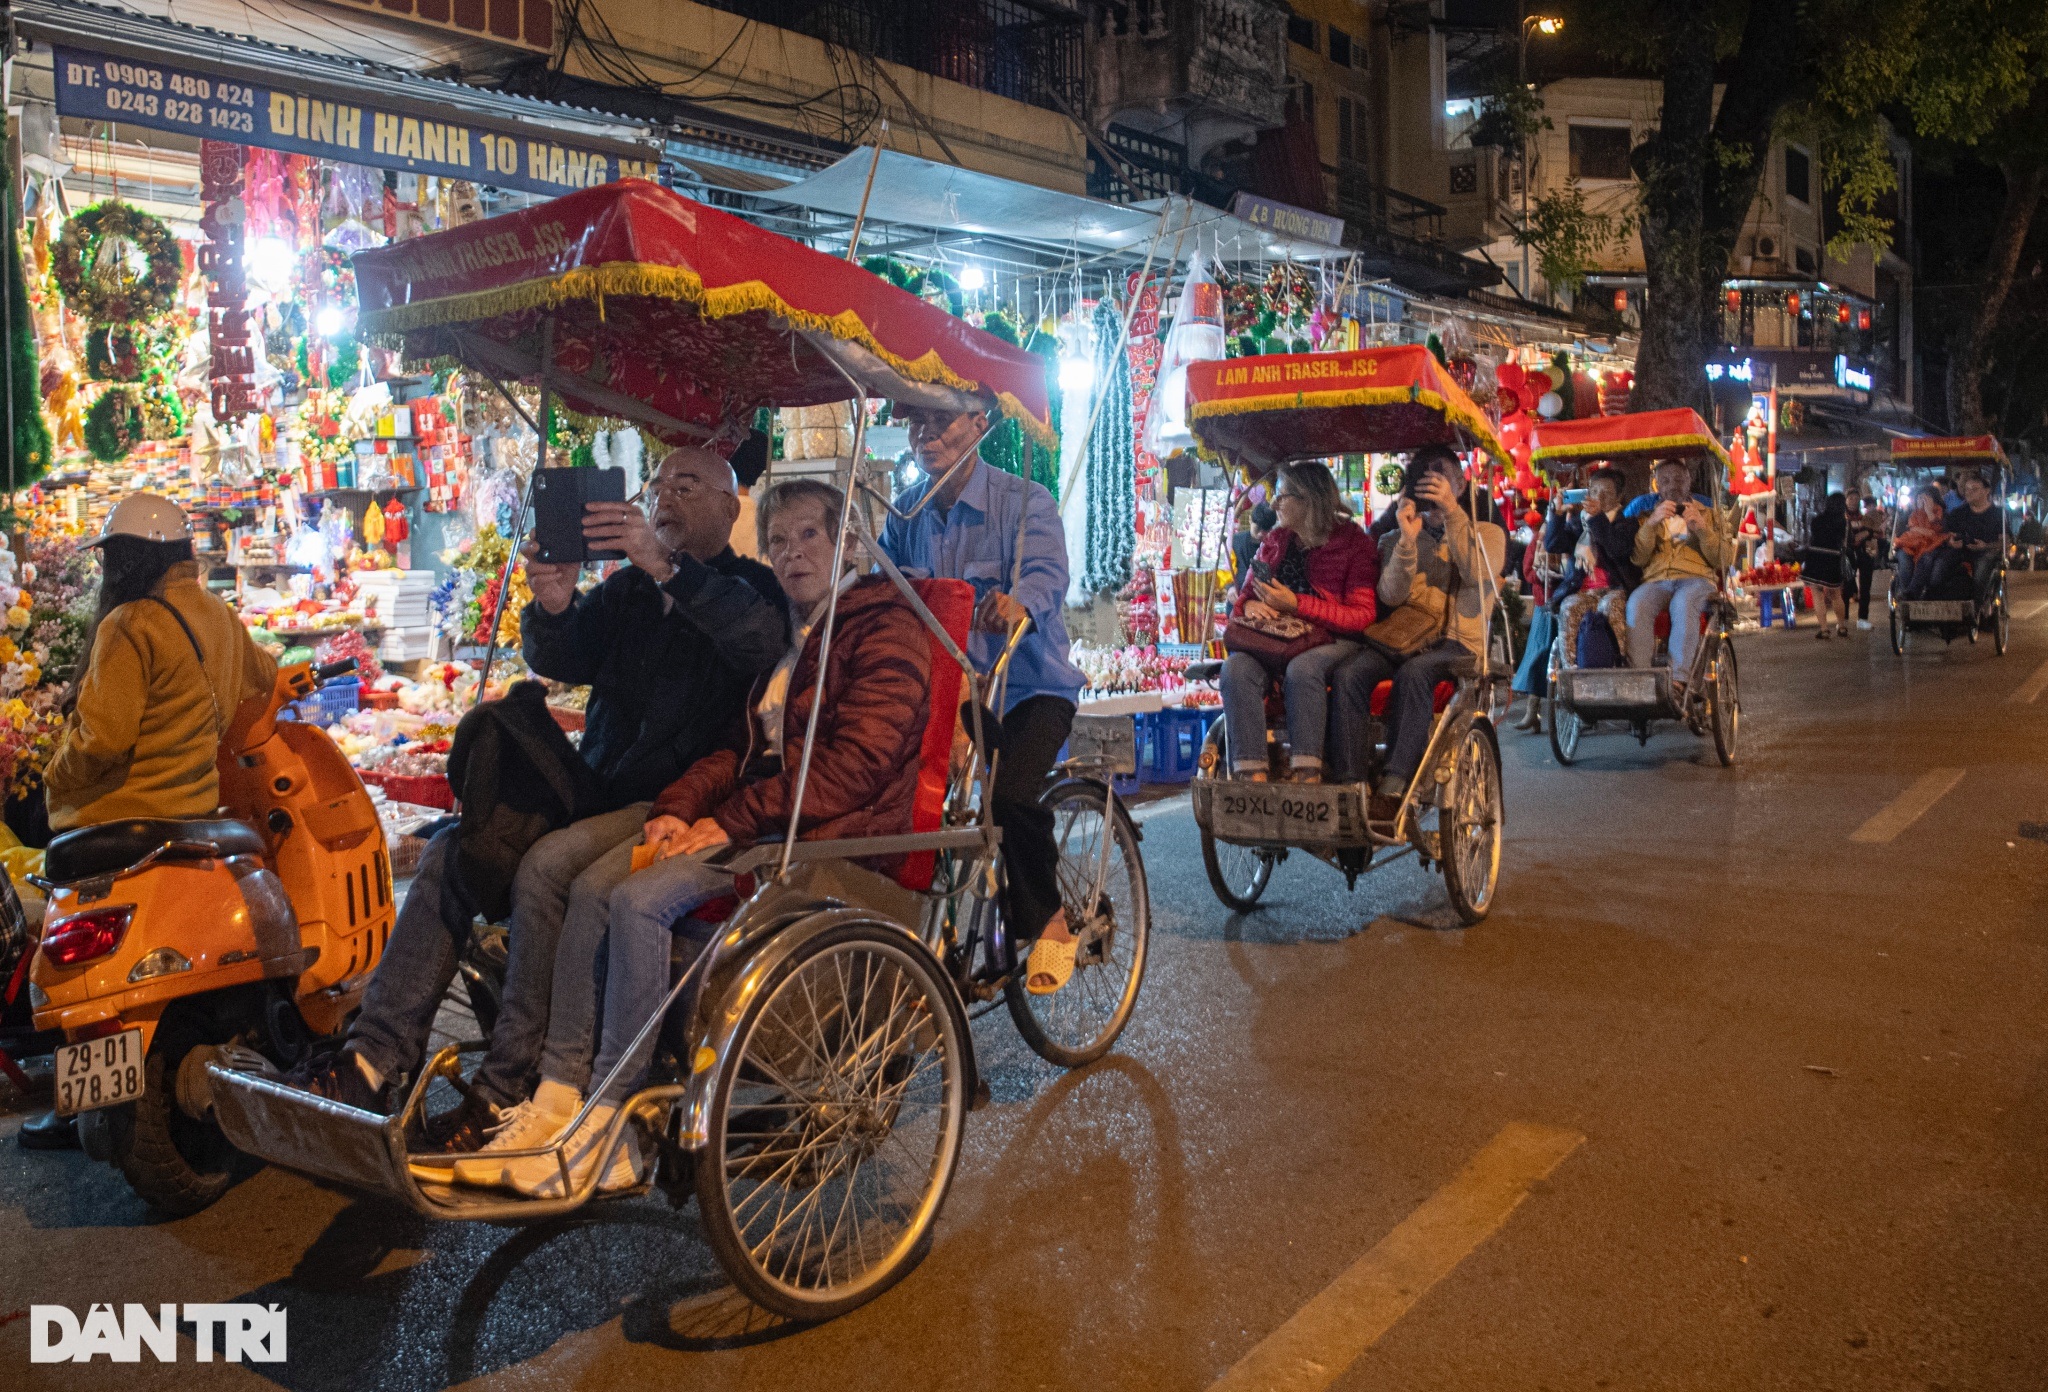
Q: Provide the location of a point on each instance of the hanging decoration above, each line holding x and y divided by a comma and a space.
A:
233, 367
1110, 460
90, 264
1274, 315
1004, 445
114, 424
29, 447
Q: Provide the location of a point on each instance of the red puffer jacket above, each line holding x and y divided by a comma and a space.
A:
864, 773
1343, 575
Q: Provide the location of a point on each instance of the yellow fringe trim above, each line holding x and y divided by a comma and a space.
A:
637, 278
1358, 396
1655, 444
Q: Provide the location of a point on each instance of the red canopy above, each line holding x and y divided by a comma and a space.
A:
658, 302
1266, 411
1673, 434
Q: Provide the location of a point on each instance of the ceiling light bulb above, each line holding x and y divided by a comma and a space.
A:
973, 278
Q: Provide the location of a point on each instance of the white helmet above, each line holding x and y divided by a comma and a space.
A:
150, 516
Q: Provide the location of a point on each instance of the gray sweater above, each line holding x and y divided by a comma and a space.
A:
1473, 551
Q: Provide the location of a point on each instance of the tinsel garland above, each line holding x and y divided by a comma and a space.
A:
1004, 446
1110, 459
29, 451
116, 299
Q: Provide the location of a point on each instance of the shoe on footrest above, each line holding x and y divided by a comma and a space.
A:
540, 1177
534, 1123
338, 1076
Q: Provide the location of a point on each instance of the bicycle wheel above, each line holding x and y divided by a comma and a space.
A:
1468, 824
835, 1124
1077, 1023
1898, 629
1565, 729
2001, 631
1238, 874
1724, 703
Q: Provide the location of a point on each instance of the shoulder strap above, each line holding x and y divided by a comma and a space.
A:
219, 725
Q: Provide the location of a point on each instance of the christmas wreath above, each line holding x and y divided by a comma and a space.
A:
113, 424
111, 295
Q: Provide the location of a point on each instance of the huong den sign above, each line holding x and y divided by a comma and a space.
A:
102, 87
1286, 220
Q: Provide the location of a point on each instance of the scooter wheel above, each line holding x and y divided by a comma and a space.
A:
179, 1164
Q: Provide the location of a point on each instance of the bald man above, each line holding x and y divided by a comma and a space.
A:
669, 644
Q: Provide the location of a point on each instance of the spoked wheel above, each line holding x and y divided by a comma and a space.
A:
2001, 630
1077, 1023
1724, 704
1238, 874
1468, 825
835, 1123
1565, 729
1898, 627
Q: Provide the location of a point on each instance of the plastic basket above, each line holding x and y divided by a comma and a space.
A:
427, 790
1170, 744
327, 705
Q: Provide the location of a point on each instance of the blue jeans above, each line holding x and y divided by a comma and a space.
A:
432, 929
1915, 573
1306, 686
1947, 560
1409, 710
1687, 599
1532, 678
616, 947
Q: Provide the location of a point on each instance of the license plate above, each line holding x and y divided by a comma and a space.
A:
1935, 610
1613, 687
100, 1072
1285, 814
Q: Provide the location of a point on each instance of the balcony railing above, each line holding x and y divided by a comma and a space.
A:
1027, 50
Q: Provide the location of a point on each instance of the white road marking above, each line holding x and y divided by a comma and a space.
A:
2030, 609
1908, 807
1165, 807
2033, 686
1327, 1335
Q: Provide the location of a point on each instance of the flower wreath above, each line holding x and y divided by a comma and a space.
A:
78, 249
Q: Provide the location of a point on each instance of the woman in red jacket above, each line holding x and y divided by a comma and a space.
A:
1317, 565
863, 781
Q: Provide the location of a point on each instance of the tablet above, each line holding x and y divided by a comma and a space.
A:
558, 499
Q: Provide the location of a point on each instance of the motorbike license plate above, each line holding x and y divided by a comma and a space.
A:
1285, 814
99, 1073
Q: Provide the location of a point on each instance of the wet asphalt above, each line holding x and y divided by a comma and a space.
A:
1811, 1074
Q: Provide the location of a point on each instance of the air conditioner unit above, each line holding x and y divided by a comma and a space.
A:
1766, 246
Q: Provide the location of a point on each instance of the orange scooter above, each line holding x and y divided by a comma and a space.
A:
171, 942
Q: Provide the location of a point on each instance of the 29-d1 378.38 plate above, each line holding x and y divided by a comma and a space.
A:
99, 1072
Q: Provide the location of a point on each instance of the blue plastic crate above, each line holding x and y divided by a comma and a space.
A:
330, 703
1170, 744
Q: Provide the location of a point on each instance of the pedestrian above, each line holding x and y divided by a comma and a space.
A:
1869, 534
1543, 568
1823, 562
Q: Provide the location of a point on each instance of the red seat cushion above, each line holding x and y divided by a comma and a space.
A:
1384, 692
1664, 624
952, 604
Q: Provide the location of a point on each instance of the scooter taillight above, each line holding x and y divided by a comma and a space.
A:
85, 936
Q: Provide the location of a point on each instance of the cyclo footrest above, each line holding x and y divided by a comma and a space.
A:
296, 1129
1617, 688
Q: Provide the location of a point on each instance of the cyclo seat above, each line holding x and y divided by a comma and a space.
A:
112, 846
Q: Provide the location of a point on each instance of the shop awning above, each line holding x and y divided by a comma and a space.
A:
915, 192
656, 301
112, 65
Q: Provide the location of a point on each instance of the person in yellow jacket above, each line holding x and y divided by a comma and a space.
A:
166, 666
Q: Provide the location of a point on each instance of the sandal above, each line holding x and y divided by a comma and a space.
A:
1050, 961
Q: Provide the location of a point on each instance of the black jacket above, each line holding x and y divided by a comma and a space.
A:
518, 779
1613, 540
664, 686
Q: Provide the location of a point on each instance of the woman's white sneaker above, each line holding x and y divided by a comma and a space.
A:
541, 1178
533, 1123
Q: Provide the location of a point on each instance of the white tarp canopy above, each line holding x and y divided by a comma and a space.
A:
914, 192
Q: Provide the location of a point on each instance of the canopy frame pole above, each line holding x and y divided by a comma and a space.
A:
861, 216
540, 461
803, 769
939, 485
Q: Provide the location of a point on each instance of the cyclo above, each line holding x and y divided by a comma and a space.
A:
1258, 414
1710, 704
1961, 609
817, 1097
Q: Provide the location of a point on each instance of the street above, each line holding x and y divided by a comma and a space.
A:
1754, 1059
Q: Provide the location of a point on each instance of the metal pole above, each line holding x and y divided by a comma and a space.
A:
13, 246
1522, 145
853, 241
540, 461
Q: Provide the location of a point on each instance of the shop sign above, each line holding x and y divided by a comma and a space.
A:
1286, 220
1807, 373
99, 87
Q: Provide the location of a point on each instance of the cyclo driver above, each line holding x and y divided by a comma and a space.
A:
1002, 534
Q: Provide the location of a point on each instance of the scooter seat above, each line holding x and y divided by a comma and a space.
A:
112, 846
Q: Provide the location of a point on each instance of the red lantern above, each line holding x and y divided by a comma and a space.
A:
1620, 301
1842, 312
1734, 301
1862, 318
1792, 303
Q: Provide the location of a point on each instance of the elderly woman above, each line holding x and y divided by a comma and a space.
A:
1315, 565
863, 780
1441, 561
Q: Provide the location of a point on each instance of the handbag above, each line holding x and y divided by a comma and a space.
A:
1274, 642
1421, 622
